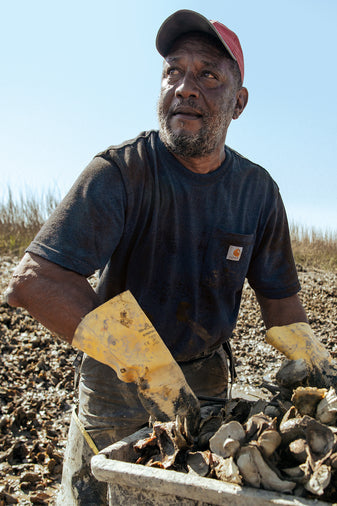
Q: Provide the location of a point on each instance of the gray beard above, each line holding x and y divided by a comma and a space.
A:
196, 145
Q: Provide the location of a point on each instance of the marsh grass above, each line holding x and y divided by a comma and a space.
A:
314, 248
21, 219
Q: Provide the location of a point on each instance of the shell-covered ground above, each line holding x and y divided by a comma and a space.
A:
36, 382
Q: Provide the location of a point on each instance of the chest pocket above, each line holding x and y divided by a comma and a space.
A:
226, 260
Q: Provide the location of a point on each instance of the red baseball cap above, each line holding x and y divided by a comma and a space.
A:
184, 21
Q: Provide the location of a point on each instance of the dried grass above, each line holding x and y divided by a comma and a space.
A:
314, 248
21, 219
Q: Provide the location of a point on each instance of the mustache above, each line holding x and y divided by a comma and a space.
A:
188, 105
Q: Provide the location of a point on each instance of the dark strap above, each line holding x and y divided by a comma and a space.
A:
77, 365
227, 347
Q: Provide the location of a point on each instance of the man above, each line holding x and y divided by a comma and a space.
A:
177, 218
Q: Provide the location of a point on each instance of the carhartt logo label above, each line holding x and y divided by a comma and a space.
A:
234, 253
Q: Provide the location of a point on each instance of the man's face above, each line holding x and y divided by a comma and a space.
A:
198, 97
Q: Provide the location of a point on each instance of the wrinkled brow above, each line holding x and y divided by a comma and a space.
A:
212, 64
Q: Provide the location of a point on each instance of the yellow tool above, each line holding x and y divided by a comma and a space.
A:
119, 334
297, 341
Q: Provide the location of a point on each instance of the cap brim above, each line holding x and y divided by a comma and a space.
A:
181, 22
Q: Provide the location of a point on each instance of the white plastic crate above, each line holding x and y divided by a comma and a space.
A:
131, 484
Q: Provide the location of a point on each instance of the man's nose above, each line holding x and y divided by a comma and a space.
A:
187, 87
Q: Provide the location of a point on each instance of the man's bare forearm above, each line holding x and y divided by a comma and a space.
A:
56, 297
278, 312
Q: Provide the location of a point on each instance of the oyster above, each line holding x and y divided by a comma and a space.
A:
306, 399
292, 373
198, 462
226, 441
320, 439
293, 427
256, 471
163, 446
319, 480
327, 408
256, 424
227, 470
248, 467
268, 441
208, 427
299, 450
295, 473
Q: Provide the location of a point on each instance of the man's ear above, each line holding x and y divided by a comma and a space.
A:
241, 102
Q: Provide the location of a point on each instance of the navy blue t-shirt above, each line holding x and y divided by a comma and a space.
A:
182, 243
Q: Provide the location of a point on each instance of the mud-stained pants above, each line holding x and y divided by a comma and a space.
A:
110, 410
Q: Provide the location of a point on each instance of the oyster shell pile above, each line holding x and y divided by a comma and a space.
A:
287, 446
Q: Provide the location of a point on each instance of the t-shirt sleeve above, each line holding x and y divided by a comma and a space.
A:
86, 227
272, 271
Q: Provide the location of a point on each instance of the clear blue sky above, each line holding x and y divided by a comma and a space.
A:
78, 76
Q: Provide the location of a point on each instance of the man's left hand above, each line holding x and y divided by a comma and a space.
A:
298, 341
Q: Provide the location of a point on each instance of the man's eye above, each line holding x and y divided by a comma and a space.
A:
172, 72
209, 75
